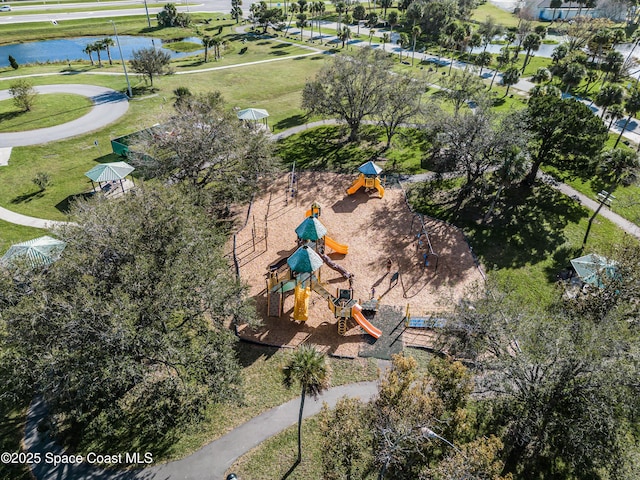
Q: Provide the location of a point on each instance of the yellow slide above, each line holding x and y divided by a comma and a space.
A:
356, 313
357, 183
378, 186
335, 246
301, 307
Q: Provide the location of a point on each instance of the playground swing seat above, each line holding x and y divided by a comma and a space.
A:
425, 322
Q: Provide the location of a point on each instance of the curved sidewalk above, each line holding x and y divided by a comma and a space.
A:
210, 462
109, 105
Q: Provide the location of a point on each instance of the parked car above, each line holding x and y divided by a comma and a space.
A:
5, 8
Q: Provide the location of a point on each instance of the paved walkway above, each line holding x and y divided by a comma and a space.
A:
209, 463
109, 105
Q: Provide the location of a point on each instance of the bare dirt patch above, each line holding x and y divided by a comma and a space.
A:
375, 229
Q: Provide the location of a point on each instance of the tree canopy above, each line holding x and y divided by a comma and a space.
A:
349, 87
125, 333
565, 133
150, 62
204, 145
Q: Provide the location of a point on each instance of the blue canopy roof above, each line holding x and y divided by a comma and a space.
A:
369, 168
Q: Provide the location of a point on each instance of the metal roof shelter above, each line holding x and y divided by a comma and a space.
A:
304, 260
109, 172
311, 229
369, 168
252, 114
39, 252
593, 268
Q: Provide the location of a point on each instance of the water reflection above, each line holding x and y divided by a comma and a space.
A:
69, 49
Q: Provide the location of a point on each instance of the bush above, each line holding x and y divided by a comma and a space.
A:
23, 94
42, 180
13, 63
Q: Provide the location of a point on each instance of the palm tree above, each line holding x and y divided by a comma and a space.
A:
293, 9
618, 166
107, 43
555, 4
207, 42
631, 106
615, 113
503, 60
301, 22
308, 368
89, 49
607, 96
542, 75
386, 38
531, 43
97, 47
573, 76
392, 20
344, 35
510, 77
403, 41
340, 9
483, 59
320, 8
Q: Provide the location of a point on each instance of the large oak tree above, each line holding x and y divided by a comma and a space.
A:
126, 332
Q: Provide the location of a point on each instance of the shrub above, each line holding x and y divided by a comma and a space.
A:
13, 63
42, 180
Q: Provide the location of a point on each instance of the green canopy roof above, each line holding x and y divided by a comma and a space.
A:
107, 172
38, 252
593, 268
252, 114
311, 229
304, 260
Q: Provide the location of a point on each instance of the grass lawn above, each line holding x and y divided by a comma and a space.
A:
48, 110
11, 233
480, 14
263, 390
92, 8
258, 86
127, 25
325, 148
273, 458
530, 238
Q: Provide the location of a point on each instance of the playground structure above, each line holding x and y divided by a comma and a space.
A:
301, 273
423, 243
371, 230
369, 178
428, 321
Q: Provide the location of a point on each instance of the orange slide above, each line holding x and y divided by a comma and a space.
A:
356, 313
355, 186
335, 246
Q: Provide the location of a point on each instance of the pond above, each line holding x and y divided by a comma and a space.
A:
66, 49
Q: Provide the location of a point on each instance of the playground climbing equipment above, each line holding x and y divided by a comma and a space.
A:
369, 178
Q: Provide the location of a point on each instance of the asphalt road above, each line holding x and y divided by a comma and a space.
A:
109, 105
59, 16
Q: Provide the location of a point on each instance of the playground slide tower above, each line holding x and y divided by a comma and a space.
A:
369, 178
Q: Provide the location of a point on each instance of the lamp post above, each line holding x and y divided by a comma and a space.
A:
124, 66
146, 9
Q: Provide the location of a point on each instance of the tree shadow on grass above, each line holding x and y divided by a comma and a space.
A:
292, 121
527, 230
326, 148
65, 205
27, 197
6, 116
248, 353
